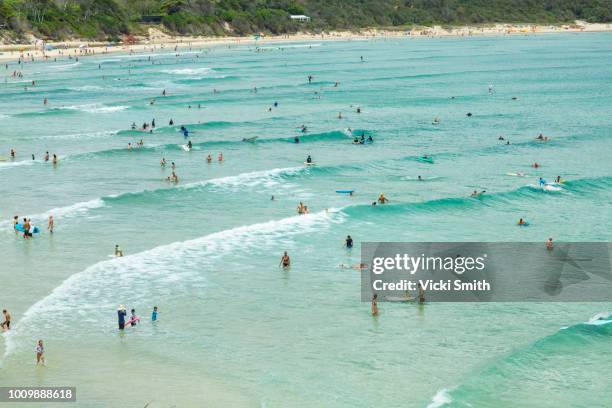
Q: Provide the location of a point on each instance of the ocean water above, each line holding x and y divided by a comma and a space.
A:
234, 329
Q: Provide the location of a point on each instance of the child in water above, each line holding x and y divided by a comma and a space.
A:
154, 314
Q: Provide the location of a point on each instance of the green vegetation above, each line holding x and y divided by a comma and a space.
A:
108, 19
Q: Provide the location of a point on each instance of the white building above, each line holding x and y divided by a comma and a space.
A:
301, 18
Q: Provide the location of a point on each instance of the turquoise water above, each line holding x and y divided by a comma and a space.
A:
234, 329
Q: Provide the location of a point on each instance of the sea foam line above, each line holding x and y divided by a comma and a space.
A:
266, 178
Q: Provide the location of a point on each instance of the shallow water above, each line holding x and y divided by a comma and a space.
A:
234, 329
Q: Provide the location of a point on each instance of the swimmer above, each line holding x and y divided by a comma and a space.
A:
436, 121
162, 162
558, 179
535, 165
296, 139
220, 157
375, 305
133, 126
121, 313
349, 242
370, 140
208, 158
542, 182
501, 138
173, 166
419, 178
173, 177
54, 159
133, 318
171, 122
46, 156
285, 261
300, 208
33, 158
339, 115
272, 198
189, 145
154, 314
469, 114
549, 244
309, 159
521, 222
118, 251
477, 194
13, 153
382, 199
306, 210
309, 79
358, 110
129, 146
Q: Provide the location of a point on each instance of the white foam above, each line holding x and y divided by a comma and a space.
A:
189, 71
441, 399
149, 271
94, 108
8, 164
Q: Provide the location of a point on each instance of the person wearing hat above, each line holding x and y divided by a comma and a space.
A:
121, 313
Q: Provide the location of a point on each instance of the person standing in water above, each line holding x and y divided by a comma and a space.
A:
421, 294
134, 319
40, 353
285, 261
118, 251
121, 313
154, 314
6, 324
50, 224
375, 305
349, 241
47, 156
382, 199
549, 244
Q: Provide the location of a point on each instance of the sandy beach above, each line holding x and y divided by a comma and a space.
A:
158, 40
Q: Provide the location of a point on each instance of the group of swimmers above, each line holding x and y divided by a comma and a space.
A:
302, 209
47, 156
362, 139
28, 228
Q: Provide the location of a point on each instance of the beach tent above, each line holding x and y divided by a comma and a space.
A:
49, 47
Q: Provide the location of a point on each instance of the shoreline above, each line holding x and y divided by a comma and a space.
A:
159, 41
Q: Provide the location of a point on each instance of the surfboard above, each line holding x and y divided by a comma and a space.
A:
345, 191
186, 148
517, 174
19, 227
309, 164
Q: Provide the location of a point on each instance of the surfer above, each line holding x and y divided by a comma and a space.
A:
542, 182
558, 179
121, 313
349, 241
50, 224
382, 199
375, 305
477, 194
118, 251
6, 324
303, 128
309, 160
285, 261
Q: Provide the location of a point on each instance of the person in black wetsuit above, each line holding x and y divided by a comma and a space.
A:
349, 241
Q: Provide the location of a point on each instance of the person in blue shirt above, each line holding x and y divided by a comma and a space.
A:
154, 314
121, 313
542, 182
